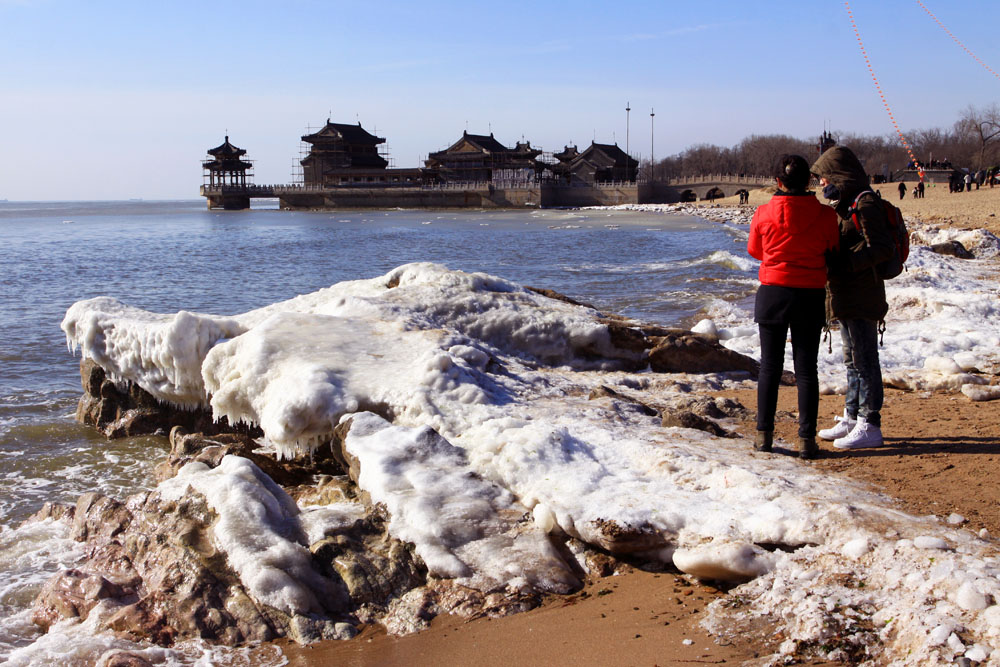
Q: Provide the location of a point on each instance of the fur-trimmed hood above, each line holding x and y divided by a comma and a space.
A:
841, 167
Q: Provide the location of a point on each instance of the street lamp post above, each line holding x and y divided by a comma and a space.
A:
627, 110
652, 157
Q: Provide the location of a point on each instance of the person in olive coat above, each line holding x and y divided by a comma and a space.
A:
856, 293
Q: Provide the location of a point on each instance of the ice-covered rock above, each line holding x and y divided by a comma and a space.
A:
856, 548
485, 426
728, 561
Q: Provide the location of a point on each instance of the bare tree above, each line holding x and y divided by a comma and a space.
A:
758, 154
981, 125
880, 155
976, 136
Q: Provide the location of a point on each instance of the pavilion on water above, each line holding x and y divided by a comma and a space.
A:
227, 168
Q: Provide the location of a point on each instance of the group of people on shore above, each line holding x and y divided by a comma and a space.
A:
818, 265
918, 190
963, 182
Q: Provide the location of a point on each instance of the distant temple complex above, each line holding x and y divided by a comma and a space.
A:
344, 168
342, 155
478, 157
599, 163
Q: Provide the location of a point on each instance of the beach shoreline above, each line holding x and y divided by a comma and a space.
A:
940, 451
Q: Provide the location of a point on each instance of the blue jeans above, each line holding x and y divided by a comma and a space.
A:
864, 375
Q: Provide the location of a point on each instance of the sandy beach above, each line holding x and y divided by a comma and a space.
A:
939, 459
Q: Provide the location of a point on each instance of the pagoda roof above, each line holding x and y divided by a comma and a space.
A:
352, 134
226, 165
473, 143
567, 154
486, 142
226, 149
607, 155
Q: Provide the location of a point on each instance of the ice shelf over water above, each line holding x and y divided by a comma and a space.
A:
468, 397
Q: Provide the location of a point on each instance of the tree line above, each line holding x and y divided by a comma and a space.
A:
973, 142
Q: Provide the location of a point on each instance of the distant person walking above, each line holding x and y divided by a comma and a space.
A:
902, 190
791, 235
920, 190
856, 294
968, 182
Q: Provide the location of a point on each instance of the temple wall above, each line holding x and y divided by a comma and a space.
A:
383, 197
487, 196
597, 195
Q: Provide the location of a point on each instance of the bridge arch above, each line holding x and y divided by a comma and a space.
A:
714, 193
688, 196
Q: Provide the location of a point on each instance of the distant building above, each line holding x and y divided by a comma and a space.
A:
826, 142
599, 163
227, 166
481, 158
346, 169
344, 155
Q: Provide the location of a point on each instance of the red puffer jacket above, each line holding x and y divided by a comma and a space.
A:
790, 235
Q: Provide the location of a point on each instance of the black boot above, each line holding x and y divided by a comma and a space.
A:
808, 448
764, 441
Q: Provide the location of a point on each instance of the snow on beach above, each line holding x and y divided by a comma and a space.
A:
468, 402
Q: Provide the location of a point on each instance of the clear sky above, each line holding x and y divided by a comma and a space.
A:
115, 100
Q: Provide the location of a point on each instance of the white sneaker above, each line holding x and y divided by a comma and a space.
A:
862, 435
842, 428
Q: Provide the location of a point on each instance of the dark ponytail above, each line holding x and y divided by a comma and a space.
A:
793, 170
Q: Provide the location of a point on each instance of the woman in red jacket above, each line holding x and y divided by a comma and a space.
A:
791, 235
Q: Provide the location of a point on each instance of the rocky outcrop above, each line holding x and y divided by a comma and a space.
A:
953, 249
121, 410
663, 349
157, 575
197, 447
155, 570
160, 566
687, 352
688, 419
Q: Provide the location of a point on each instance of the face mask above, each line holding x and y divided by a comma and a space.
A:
831, 192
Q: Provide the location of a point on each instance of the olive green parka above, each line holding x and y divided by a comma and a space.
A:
855, 290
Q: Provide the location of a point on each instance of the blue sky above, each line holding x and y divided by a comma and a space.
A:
114, 100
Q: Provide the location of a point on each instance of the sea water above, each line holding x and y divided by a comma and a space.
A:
168, 256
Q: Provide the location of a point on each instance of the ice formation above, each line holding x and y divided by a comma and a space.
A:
468, 397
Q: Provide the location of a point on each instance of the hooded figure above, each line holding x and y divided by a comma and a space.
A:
855, 290
856, 294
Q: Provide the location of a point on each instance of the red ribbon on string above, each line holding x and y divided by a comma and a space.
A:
878, 88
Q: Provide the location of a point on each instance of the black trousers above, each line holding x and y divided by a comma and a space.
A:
800, 311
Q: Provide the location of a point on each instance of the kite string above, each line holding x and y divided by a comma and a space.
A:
878, 87
956, 40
